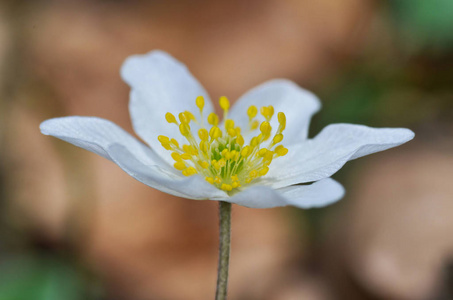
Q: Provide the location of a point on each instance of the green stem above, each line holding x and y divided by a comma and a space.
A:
224, 250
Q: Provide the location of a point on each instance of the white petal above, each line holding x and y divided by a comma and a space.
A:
285, 96
193, 187
325, 154
161, 84
96, 135
318, 194
110, 141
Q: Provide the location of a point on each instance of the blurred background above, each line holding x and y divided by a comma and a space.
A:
74, 226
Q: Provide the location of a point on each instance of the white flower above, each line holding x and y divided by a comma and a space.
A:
255, 170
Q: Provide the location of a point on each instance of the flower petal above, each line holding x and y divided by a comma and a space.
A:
96, 135
193, 187
318, 194
110, 141
324, 155
285, 96
161, 84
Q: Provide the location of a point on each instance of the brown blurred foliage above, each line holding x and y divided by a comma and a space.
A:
390, 240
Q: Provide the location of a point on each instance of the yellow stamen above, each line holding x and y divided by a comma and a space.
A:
231, 132
246, 151
170, 118
224, 103
190, 116
264, 171
190, 149
267, 112
215, 132
183, 118
282, 120
265, 128
204, 164
179, 165
226, 187
281, 151
184, 128
176, 156
221, 156
252, 111
200, 102
229, 124
174, 142
163, 139
167, 146
204, 146
254, 125
240, 140
186, 156
189, 171
277, 138
203, 134
213, 119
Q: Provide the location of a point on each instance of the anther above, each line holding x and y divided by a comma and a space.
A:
246, 151
167, 146
224, 103
267, 157
277, 138
190, 149
281, 151
265, 128
183, 118
264, 170
229, 124
184, 128
254, 125
189, 171
231, 132
189, 115
262, 152
282, 120
186, 156
163, 139
179, 165
215, 132
240, 140
226, 187
203, 134
204, 146
170, 118
252, 111
200, 102
267, 112
176, 156
174, 142
204, 164
221, 162
254, 142
213, 119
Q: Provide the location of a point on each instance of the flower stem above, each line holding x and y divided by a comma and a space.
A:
224, 250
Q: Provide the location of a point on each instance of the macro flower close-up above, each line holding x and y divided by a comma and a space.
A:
258, 150
256, 153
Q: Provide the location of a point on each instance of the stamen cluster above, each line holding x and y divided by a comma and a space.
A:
220, 155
